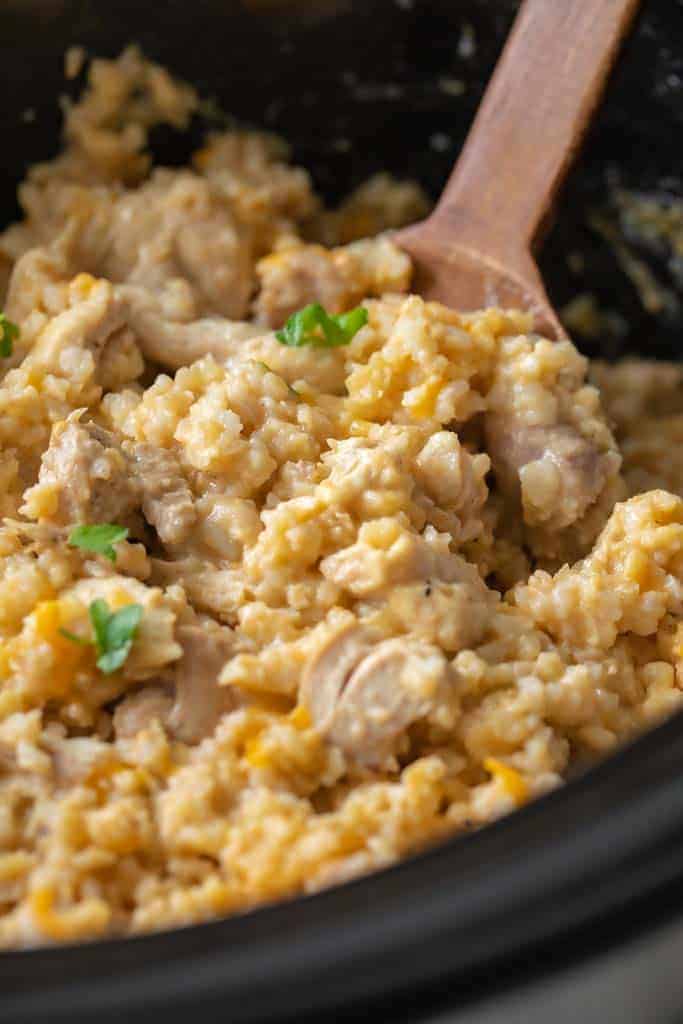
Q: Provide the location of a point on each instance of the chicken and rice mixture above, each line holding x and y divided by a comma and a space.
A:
285, 596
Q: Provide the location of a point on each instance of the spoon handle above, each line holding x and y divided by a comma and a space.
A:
530, 124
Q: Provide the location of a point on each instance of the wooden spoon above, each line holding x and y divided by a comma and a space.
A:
476, 248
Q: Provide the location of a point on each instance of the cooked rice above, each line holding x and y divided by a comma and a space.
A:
439, 506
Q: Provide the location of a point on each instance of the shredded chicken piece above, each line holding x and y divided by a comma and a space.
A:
327, 674
218, 592
93, 314
549, 442
174, 343
336, 278
178, 229
297, 277
560, 473
191, 702
84, 477
88, 476
77, 757
37, 283
364, 697
167, 501
138, 710
199, 699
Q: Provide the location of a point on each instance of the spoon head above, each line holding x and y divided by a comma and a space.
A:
466, 280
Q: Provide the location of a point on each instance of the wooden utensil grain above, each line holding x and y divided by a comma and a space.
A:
477, 247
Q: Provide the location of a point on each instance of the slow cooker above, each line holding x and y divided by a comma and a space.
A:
572, 908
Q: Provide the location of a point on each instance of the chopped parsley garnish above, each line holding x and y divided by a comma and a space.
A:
312, 325
99, 538
9, 332
84, 641
113, 633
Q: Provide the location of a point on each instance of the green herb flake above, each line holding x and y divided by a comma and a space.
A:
84, 641
313, 326
267, 369
99, 538
9, 332
113, 634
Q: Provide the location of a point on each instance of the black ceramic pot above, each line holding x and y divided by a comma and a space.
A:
573, 907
